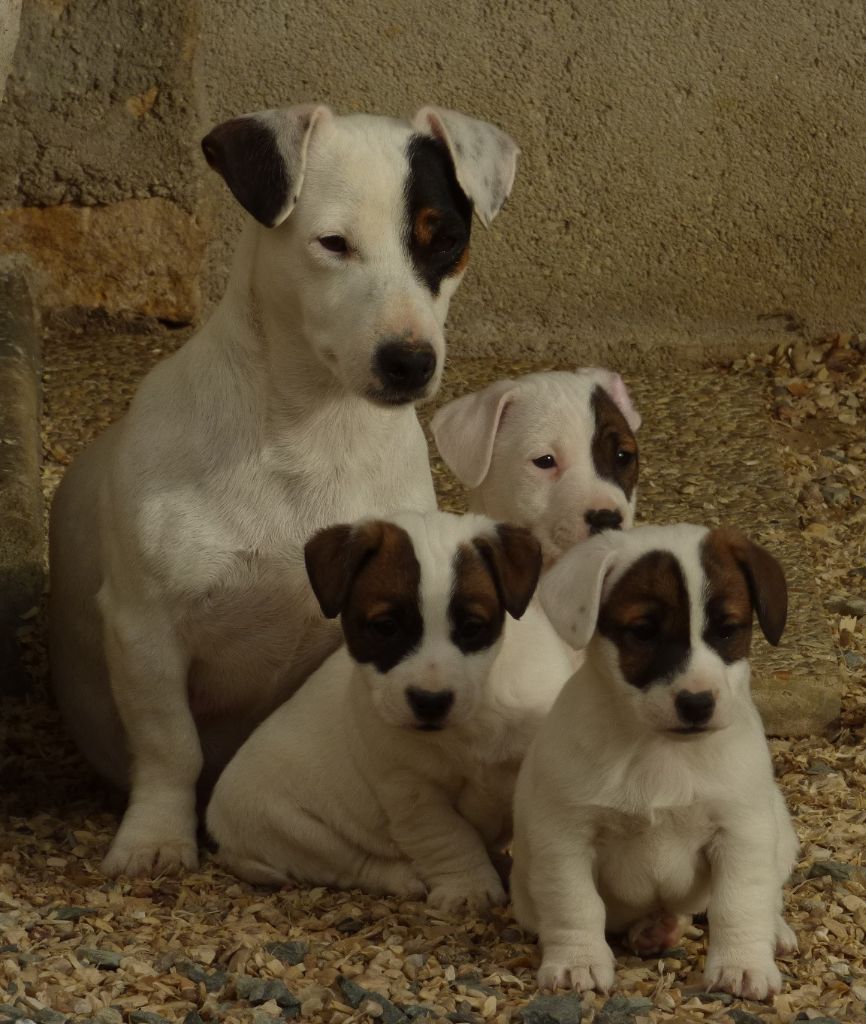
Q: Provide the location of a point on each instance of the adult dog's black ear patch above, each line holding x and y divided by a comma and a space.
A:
438, 213
245, 152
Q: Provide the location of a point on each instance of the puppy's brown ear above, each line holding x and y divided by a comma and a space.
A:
513, 557
333, 558
766, 580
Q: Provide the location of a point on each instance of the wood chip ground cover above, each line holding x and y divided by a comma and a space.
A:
74, 945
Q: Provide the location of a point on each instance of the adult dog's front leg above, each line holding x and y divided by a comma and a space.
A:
447, 853
743, 915
148, 668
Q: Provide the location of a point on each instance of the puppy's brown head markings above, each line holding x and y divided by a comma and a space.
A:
646, 615
370, 576
614, 447
493, 576
741, 577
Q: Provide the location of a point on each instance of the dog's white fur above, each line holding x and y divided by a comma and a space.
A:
617, 820
489, 438
180, 609
337, 788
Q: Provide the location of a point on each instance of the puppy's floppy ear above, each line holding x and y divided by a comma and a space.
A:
571, 591
262, 158
765, 578
484, 157
465, 430
334, 556
513, 557
614, 385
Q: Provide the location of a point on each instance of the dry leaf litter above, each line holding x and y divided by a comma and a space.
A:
205, 947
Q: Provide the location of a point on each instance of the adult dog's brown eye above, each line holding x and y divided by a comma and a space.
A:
545, 462
334, 243
624, 457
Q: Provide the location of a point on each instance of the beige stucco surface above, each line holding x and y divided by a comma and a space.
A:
687, 166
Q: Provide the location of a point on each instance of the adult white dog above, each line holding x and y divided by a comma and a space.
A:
554, 451
180, 611
393, 768
648, 794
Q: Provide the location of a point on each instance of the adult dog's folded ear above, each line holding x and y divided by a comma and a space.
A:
333, 558
465, 431
262, 157
484, 157
513, 557
571, 592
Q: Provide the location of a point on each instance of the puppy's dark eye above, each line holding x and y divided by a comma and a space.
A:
725, 630
471, 628
334, 243
545, 462
383, 626
643, 631
624, 457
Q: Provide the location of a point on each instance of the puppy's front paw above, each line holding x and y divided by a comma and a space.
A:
472, 892
749, 978
582, 968
786, 940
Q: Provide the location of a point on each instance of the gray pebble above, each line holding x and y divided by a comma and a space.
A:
13, 1013
853, 659
290, 953
71, 913
213, 981
836, 494
622, 1010
744, 1017
355, 994
107, 1015
838, 871
146, 1017
845, 604
561, 1009
193, 1017
725, 998
464, 1015
46, 1016
261, 990
106, 959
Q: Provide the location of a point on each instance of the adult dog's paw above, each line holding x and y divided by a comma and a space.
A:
135, 859
581, 968
152, 842
471, 892
747, 977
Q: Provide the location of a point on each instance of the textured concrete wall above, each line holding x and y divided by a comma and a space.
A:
686, 166
99, 167
10, 21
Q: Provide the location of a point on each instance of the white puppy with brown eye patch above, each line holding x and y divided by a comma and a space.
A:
393, 768
553, 451
648, 794
180, 611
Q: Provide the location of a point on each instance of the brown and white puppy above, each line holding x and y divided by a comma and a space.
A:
555, 452
393, 768
648, 794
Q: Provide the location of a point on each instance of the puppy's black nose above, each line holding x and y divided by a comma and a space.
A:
430, 706
695, 708
603, 519
405, 366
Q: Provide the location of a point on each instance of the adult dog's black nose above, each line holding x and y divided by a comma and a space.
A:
695, 708
430, 706
600, 519
404, 367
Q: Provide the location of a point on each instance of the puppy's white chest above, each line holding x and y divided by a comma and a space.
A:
655, 861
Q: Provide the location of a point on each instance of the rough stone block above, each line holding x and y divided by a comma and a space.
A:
21, 507
140, 256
